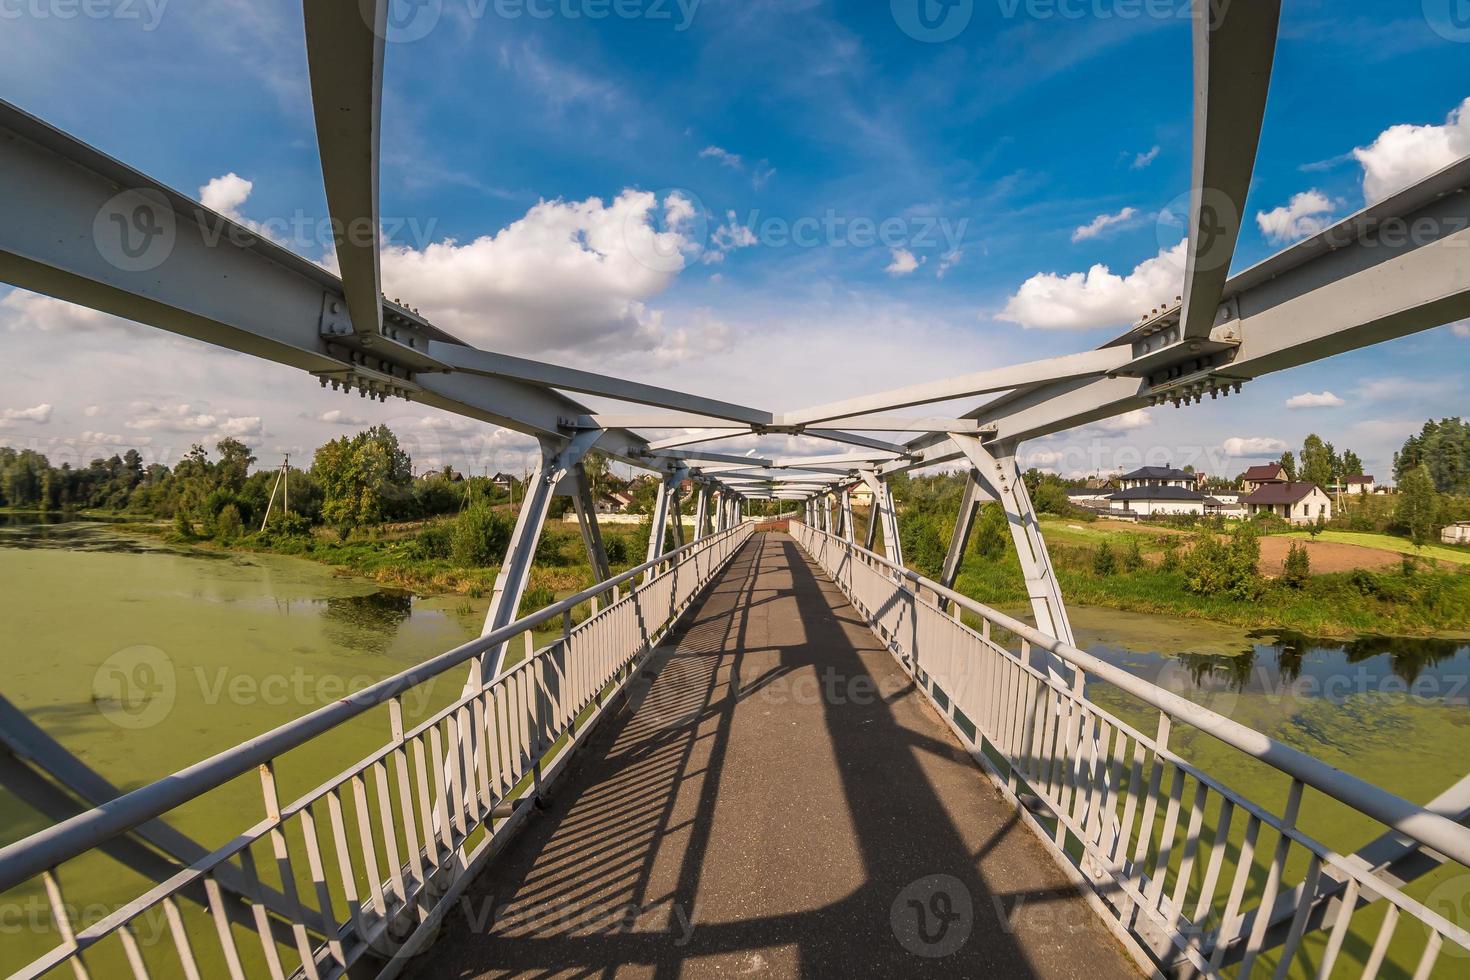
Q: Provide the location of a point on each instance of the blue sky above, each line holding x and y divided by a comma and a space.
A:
514, 140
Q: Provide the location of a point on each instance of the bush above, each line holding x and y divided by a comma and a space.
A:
1232, 570
287, 524
992, 534
1104, 562
1170, 562
549, 549
480, 537
1298, 566
182, 525
435, 540
227, 523
617, 550
1132, 555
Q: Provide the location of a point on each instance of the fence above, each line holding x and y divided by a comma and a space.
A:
404, 828
1191, 873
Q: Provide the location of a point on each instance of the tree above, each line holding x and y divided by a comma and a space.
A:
1298, 566
365, 479
234, 464
1418, 507
992, 533
1316, 461
1352, 465
1132, 555
1288, 463
1104, 562
1443, 447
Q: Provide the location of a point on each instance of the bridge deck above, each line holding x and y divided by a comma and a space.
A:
780, 801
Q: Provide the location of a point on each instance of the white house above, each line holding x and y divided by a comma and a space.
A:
1153, 501
1158, 476
1456, 533
1299, 503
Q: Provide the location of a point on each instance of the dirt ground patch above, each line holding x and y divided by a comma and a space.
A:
1326, 556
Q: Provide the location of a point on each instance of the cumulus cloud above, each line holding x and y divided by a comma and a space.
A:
1098, 297
1254, 447
227, 195
185, 419
25, 311
1325, 399
1145, 158
336, 416
1407, 153
948, 261
1102, 223
39, 415
569, 276
1309, 213
904, 262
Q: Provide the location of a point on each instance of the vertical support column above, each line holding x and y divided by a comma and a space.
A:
884, 509
586, 509
659, 521
996, 466
701, 513
515, 572
676, 507
849, 532
964, 523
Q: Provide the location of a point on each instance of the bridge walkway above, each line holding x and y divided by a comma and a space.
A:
779, 800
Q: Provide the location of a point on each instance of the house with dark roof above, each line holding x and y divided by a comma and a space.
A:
1299, 503
1158, 476
1358, 484
1257, 477
1089, 496
1154, 501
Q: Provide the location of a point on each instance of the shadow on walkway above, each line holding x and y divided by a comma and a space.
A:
779, 800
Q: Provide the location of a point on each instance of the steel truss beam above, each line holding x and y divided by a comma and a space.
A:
1393, 269
685, 420
1234, 48
975, 495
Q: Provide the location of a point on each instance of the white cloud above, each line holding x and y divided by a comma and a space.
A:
569, 276
92, 411
1407, 153
728, 237
226, 195
1142, 160
948, 261
1461, 329
185, 418
336, 416
1254, 447
903, 262
1098, 297
1102, 223
1309, 213
34, 312
39, 415
1127, 422
731, 160
1325, 399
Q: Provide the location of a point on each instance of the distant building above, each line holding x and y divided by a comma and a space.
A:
1456, 533
1089, 496
614, 502
1158, 476
1299, 503
503, 481
1359, 484
1153, 501
1257, 477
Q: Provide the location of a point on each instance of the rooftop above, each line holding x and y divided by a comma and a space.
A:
1159, 473
1281, 493
1158, 493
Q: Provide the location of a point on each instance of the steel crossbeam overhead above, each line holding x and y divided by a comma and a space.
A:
1085, 364
679, 420
1234, 48
1391, 270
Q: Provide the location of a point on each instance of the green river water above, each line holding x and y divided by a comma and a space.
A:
140, 659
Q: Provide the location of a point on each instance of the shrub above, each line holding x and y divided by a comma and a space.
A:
1104, 562
227, 523
1170, 562
617, 550
992, 534
435, 540
182, 525
1232, 570
288, 524
1132, 555
480, 537
549, 549
1298, 566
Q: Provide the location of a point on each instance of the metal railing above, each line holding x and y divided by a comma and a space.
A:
404, 828
1128, 819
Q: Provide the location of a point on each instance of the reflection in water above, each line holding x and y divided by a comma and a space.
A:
367, 622
1289, 663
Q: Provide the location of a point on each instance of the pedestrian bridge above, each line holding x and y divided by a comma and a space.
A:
762, 753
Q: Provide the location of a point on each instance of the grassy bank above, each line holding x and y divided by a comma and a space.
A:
1434, 598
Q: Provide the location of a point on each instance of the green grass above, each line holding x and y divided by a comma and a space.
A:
1388, 542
